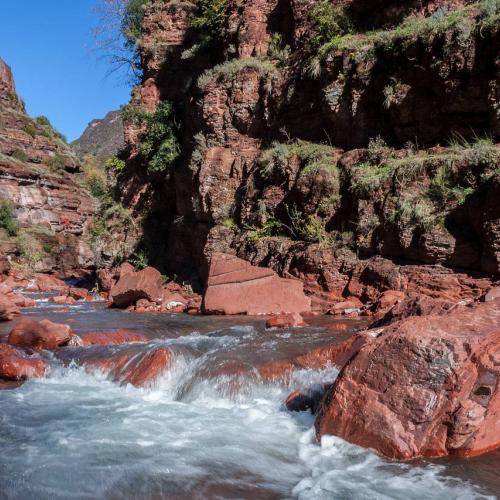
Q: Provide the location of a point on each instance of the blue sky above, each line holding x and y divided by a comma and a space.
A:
49, 46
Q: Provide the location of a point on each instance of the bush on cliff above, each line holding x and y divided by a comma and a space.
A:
159, 145
132, 20
211, 18
7, 220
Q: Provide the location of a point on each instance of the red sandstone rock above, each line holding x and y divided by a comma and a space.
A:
285, 320
414, 306
20, 368
353, 304
336, 355
62, 300
16, 366
105, 279
237, 287
427, 386
110, 338
21, 300
145, 284
493, 294
388, 299
48, 283
137, 366
40, 335
125, 269
79, 293
8, 310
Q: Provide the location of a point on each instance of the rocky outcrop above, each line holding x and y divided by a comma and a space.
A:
318, 202
39, 180
237, 287
426, 386
102, 138
134, 286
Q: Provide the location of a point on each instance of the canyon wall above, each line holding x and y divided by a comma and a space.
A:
46, 210
359, 162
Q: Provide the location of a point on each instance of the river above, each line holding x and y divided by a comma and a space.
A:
199, 432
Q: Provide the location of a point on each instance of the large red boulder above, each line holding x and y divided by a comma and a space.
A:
8, 310
133, 286
236, 287
46, 283
112, 338
426, 386
40, 335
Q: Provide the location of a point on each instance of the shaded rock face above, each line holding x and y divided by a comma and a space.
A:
102, 138
216, 196
237, 287
38, 177
426, 386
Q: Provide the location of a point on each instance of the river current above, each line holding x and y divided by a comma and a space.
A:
196, 434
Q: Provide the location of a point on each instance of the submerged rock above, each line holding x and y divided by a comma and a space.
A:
139, 366
14, 365
285, 320
426, 386
237, 287
112, 338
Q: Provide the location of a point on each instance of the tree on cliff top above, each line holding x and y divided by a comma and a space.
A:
118, 33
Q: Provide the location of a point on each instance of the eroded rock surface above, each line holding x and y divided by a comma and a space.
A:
426, 386
237, 287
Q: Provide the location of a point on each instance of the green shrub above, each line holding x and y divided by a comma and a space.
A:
328, 21
277, 48
229, 223
312, 156
234, 66
159, 146
140, 260
134, 114
43, 121
96, 182
20, 155
7, 220
115, 164
414, 212
271, 227
56, 163
454, 27
211, 18
132, 20
30, 130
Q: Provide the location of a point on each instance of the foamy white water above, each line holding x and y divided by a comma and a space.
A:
78, 436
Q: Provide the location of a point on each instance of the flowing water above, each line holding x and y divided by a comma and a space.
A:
202, 430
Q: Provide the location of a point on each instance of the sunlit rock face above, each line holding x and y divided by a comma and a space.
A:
426, 386
39, 178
